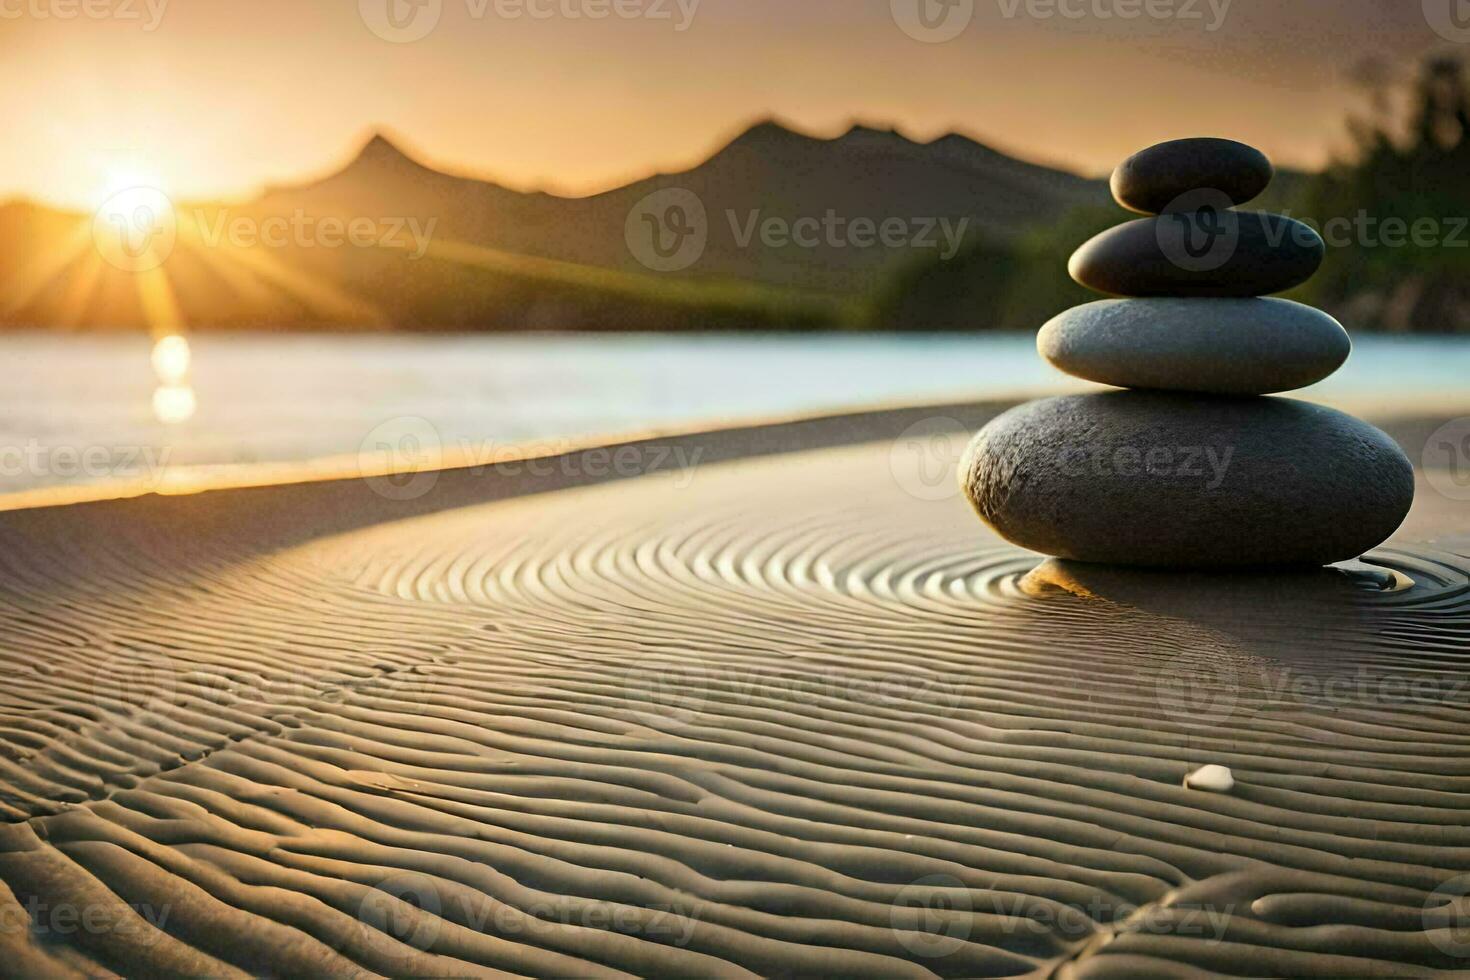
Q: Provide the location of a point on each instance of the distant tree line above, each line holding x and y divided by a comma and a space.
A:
1395, 212
1417, 178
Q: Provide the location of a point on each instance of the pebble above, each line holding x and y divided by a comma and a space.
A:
1221, 346
1211, 779
1152, 180
1174, 480
1218, 253
1195, 466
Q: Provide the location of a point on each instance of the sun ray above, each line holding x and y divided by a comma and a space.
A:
48, 266
80, 290
321, 297
160, 305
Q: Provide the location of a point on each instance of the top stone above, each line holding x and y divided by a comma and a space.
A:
1152, 181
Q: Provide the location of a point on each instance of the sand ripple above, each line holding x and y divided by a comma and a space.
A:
785, 720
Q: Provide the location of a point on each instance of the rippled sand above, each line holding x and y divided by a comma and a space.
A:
791, 714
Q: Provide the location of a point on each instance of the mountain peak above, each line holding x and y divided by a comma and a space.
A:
863, 131
770, 134
380, 152
768, 131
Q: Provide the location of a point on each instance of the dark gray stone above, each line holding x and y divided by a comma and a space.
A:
1187, 481
1211, 253
1224, 346
1153, 180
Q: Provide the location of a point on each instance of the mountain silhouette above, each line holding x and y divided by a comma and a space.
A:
501, 258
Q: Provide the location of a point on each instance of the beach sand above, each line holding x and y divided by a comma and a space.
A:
791, 711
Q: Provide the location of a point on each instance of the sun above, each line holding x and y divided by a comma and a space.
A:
133, 225
135, 203
128, 185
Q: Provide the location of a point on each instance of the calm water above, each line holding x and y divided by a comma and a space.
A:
84, 409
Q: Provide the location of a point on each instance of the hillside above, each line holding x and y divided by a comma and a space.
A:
445, 251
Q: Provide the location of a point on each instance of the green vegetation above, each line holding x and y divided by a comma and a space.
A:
1396, 216
992, 287
1377, 276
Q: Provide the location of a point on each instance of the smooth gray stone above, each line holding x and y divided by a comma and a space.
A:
1160, 479
1219, 253
1152, 181
1223, 346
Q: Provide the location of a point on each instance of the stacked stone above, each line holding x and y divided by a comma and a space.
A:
1193, 467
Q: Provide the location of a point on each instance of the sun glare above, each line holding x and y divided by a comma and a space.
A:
171, 359
173, 404
173, 399
128, 190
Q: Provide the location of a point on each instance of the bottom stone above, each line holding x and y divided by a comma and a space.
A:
1188, 481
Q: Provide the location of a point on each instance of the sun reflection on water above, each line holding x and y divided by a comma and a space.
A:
173, 403
173, 399
171, 359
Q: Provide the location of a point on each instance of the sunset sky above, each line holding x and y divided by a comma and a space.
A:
217, 97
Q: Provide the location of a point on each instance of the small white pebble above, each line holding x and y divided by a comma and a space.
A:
1210, 779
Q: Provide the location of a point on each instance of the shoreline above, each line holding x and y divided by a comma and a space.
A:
799, 713
1406, 418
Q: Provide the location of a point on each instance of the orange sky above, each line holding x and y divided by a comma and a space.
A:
216, 97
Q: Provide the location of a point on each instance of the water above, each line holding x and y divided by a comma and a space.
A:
85, 409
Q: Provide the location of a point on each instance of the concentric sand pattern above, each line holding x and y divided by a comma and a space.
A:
707, 724
1196, 470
